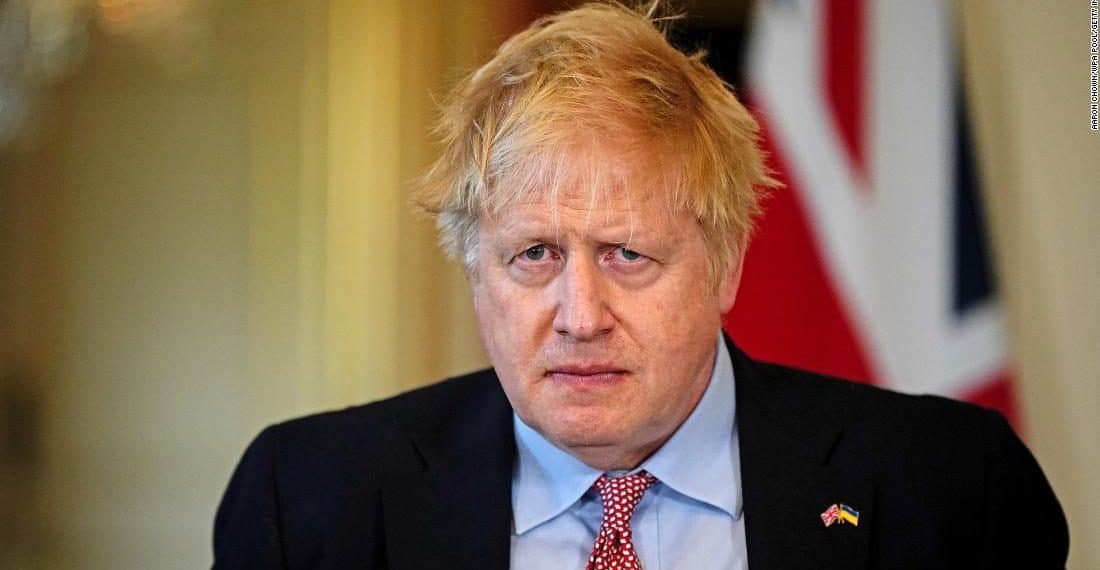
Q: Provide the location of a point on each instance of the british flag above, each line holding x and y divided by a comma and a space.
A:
871, 263
830, 515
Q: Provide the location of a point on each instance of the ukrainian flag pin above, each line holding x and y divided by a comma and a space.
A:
848, 515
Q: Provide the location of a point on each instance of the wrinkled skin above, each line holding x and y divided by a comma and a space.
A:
600, 321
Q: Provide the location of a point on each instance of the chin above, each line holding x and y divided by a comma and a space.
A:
569, 421
584, 431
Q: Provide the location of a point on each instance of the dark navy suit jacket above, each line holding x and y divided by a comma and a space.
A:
423, 481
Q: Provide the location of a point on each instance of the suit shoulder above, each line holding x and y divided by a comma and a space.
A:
304, 484
415, 407
893, 435
887, 413
357, 447
836, 389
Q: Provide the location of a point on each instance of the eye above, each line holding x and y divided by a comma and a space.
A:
629, 255
535, 253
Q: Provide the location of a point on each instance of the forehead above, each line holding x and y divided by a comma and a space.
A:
595, 183
617, 215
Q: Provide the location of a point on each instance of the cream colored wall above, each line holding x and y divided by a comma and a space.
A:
389, 286
1028, 70
141, 343
197, 253
142, 192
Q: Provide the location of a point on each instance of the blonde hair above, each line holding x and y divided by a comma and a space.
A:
602, 72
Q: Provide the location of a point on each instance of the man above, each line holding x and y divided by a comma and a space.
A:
599, 187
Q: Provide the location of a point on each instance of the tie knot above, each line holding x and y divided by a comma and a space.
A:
620, 495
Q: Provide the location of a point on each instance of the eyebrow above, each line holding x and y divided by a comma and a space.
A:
551, 233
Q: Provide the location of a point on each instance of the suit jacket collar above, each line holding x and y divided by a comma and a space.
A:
787, 437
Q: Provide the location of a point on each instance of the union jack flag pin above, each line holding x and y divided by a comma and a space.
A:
831, 515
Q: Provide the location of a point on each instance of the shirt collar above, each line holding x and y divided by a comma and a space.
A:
548, 480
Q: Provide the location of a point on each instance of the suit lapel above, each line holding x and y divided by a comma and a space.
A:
786, 438
457, 511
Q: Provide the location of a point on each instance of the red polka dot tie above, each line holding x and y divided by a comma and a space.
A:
620, 495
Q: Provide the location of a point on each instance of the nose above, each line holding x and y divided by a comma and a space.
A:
583, 312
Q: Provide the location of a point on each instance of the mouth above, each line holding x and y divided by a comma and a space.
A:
586, 374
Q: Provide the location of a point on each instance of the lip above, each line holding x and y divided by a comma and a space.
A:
586, 369
587, 373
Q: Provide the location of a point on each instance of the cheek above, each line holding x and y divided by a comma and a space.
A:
507, 316
679, 310
676, 329
490, 308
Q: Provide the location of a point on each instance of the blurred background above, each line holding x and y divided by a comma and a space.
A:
204, 229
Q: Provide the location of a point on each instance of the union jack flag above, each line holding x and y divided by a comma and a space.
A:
872, 263
830, 515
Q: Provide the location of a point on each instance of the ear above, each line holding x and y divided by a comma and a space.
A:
731, 281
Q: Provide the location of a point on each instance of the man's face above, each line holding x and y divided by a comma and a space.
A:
601, 321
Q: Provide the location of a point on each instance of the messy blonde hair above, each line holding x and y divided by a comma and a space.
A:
603, 72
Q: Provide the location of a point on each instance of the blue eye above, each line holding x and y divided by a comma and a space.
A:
535, 253
629, 254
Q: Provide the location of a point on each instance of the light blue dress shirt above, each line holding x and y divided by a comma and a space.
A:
692, 518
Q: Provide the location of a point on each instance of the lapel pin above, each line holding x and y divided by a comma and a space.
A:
840, 513
849, 515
